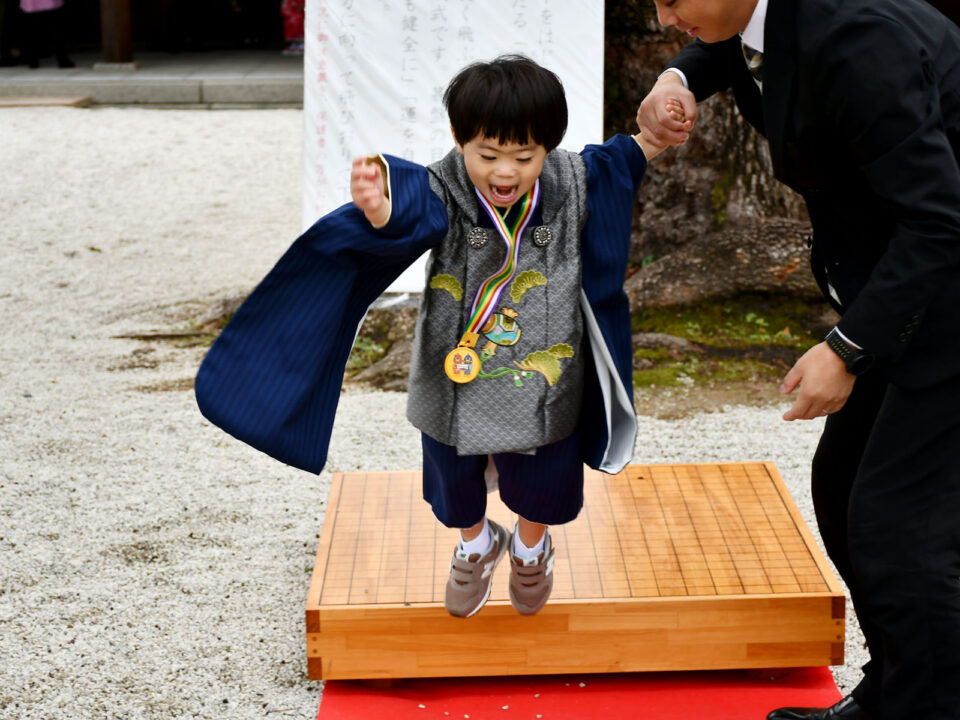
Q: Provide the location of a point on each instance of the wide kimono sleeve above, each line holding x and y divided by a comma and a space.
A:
272, 378
608, 425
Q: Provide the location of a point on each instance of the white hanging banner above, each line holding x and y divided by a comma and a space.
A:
375, 72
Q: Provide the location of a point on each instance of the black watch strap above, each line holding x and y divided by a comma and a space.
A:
856, 361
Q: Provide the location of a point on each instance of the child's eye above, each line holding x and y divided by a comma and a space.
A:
524, 160
488, 157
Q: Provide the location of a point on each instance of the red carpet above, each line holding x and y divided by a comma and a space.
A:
720, 695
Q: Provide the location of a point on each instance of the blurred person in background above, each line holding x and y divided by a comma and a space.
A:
292, 12
44, 20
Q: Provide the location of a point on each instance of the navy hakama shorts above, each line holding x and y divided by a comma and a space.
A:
545, 488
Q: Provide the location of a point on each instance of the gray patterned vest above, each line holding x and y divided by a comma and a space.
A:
529, 390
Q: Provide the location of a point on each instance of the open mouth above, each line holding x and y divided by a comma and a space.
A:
502, 193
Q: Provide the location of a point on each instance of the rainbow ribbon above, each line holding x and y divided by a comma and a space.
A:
488, 295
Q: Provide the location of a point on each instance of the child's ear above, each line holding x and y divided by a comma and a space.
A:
459, 146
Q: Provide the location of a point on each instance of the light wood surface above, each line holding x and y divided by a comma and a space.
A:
668, 567
28, 101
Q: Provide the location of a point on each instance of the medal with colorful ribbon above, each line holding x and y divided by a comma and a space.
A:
462, 364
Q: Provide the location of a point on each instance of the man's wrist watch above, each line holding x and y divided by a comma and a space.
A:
856, 361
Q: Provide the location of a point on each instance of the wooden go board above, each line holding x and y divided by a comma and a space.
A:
667, 567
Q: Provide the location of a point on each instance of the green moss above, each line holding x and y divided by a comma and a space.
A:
653, 354
750, 340
696, 372
719, 197
747, 320
366, 351
663, 376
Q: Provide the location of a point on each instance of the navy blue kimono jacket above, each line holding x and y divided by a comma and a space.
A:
272, 378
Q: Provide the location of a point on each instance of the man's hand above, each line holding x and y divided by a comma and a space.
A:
674, 110
367, 191
824, 384
657, 117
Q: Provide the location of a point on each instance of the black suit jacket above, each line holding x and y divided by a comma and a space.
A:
861, 107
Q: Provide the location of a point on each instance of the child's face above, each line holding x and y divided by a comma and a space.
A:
502, 172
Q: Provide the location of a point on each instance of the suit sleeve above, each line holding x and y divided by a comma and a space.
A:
706, 67
272, 379
885, 106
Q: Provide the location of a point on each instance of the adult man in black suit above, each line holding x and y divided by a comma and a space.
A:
860, 102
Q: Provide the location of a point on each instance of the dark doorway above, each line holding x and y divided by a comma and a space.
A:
183, 25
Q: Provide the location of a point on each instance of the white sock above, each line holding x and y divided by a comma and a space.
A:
480, 544
527, 553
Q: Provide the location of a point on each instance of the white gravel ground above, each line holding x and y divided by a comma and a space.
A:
150, 565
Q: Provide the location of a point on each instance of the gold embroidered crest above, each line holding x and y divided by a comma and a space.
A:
448, 283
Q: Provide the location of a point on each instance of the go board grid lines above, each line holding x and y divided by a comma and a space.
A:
650, 531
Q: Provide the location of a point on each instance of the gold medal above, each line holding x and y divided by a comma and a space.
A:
462, 363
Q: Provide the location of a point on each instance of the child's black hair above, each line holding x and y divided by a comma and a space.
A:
510, 98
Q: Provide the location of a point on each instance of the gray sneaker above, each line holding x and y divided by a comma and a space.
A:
531, 581
471, 577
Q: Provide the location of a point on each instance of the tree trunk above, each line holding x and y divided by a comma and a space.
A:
721, 179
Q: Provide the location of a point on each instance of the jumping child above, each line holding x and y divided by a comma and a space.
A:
521, 368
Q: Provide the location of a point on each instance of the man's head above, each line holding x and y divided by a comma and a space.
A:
709, 20
506, 115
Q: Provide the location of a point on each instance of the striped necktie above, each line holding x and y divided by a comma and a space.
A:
754, 60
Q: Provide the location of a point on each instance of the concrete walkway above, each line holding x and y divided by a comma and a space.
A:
232, 79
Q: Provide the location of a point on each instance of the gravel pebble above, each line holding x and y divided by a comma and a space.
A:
150, 565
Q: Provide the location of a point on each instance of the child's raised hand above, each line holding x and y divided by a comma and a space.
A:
675, 109
659, 124
367, 189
